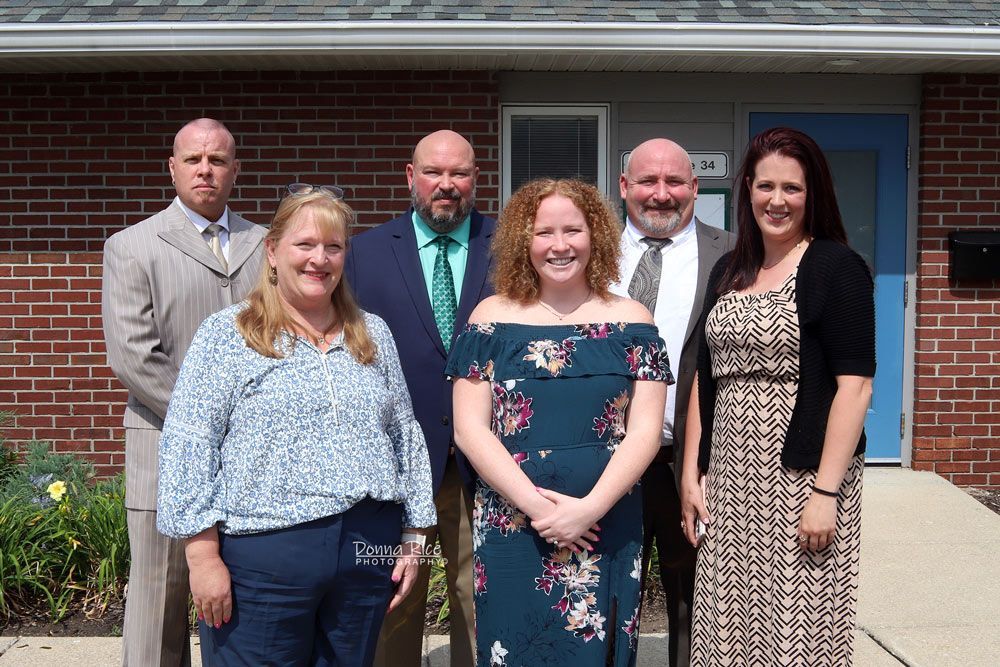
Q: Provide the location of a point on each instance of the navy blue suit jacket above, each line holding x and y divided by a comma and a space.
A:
383, 269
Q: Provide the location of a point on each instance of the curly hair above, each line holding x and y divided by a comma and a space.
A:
514, 277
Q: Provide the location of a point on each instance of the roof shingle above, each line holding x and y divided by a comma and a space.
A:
801, 12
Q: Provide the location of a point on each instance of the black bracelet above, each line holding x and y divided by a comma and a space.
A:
824, 492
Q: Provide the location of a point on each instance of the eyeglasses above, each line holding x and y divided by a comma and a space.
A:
295, 189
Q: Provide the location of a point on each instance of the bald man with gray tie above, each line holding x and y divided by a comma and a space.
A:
667, 255
162, 277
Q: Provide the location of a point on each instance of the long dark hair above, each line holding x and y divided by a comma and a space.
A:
822, 215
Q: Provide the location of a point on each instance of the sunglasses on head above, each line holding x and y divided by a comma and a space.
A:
295, 189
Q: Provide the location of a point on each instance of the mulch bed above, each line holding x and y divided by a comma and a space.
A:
75, 624
988, 497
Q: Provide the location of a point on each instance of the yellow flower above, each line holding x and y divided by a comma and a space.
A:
57, 490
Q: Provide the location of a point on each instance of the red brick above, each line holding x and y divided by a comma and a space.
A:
987, 418
970, 479
931, 455
952, 443
971, 455
975, 431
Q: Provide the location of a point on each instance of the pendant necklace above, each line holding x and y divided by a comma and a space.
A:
562, 316
765, 267
319, 338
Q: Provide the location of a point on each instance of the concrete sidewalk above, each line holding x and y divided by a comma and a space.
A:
929, 593
930, 571
106, 651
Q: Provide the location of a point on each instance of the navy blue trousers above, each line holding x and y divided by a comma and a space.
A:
303, 596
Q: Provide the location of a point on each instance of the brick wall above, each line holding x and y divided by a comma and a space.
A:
956, 430
83, 155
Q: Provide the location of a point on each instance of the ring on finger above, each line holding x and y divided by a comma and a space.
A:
802, 538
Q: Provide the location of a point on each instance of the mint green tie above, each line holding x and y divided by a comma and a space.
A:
443, 292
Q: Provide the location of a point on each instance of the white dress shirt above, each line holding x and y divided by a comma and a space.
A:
202, 223
674, 300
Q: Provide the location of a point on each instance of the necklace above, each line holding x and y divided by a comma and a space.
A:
562, 316
318, 337
765, 267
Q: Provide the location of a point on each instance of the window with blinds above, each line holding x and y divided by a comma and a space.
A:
554, 142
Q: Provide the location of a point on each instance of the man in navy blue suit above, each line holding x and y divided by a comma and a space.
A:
423, 273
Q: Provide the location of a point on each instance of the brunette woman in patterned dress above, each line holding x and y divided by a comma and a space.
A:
775, 439
559, 394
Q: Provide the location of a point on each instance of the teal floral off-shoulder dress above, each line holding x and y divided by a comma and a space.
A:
560, 397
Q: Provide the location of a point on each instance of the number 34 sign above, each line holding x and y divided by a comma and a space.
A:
710, 165
704, 165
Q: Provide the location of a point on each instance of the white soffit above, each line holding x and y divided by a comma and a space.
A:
553, 46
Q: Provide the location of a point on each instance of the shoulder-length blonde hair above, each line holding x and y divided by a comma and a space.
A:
265, 317
514, 277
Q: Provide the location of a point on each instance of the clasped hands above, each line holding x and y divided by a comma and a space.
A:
567, 521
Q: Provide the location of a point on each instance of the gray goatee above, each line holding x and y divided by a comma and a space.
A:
442, 223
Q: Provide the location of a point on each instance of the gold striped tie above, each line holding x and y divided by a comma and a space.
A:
215, 243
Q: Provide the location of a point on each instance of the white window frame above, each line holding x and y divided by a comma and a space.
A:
509, 111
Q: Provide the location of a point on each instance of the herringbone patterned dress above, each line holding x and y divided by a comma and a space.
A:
759, 598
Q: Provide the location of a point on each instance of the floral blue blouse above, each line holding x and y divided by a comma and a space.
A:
254, 444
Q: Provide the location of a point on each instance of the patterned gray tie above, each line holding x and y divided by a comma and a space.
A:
646, 280
215, 243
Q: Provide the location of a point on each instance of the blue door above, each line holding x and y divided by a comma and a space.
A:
867, 154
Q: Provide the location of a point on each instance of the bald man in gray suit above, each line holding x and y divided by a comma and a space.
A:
162, 277
659, 188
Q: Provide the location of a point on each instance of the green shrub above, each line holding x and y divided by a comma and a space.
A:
42, 467
63, 540
8, 457
103, 534
437, 591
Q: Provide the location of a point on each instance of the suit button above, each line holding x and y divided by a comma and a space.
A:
224, 282
445, 421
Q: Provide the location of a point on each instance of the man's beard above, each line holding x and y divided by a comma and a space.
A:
660, 226
442, 223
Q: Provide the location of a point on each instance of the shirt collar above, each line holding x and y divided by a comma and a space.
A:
426, 235
634, 237
200, 221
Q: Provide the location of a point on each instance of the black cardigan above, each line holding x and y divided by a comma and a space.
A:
834, 297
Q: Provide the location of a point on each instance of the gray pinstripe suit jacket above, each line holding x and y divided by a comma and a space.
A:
160, 281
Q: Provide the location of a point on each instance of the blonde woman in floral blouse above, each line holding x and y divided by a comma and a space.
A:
559, 394
291, 461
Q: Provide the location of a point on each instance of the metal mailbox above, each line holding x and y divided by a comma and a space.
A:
974, 255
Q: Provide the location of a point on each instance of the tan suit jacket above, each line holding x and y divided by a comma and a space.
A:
160, 281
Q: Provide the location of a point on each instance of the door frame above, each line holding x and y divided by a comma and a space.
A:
740, 141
